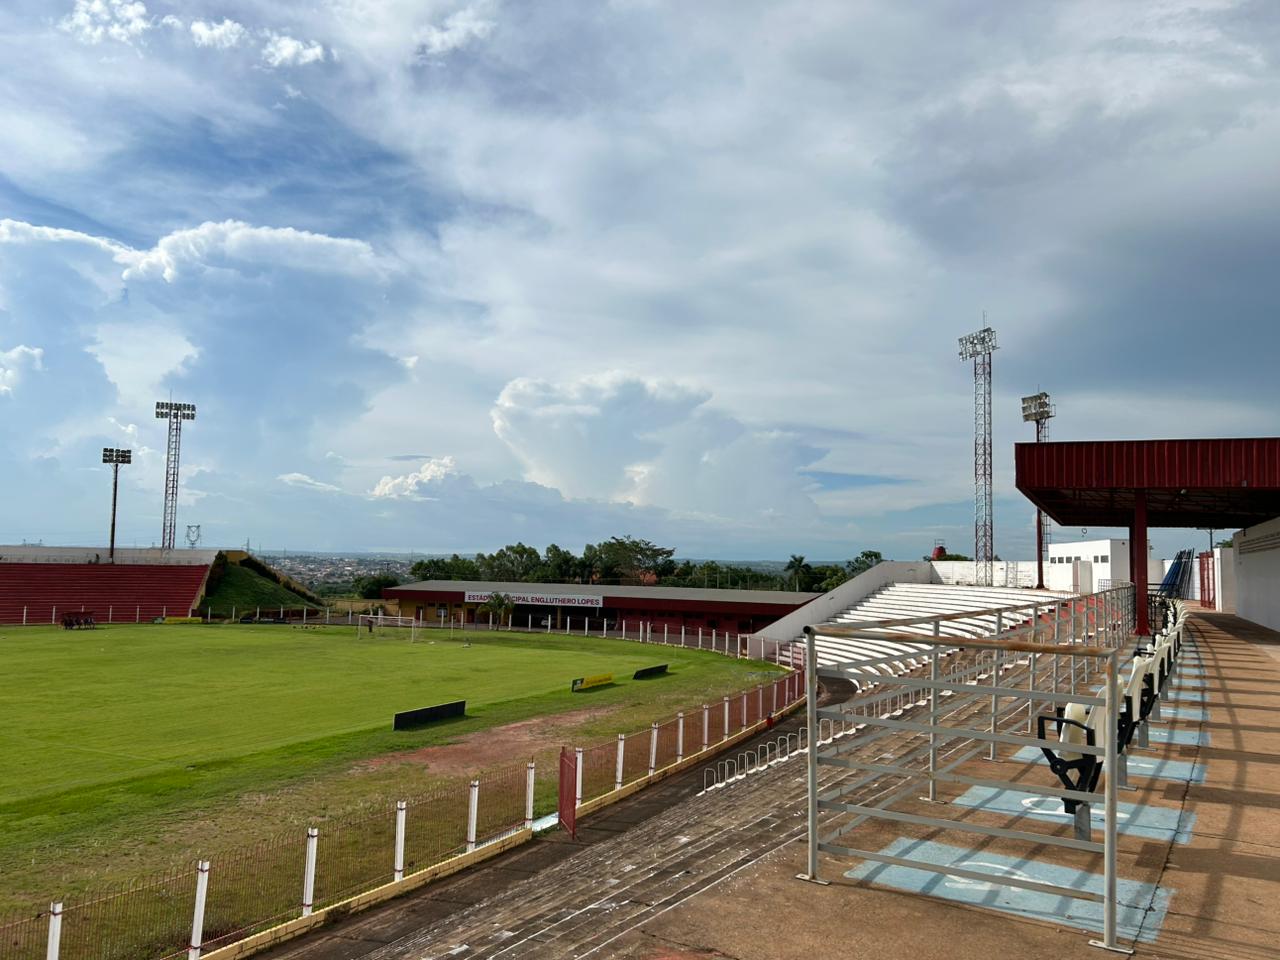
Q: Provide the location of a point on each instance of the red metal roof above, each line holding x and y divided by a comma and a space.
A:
1189, 483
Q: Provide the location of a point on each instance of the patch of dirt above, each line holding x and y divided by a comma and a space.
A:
491, 747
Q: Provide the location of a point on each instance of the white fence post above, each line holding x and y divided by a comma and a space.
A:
744, 711
110, 611
664, 635
699, 638
473, 811
529, 777
760, 703
401, 815
53, 617
726, 719
24, 615
577, 787
617, 765
624, 629
197, 918
309, 875
531, 621
682, 634
679, 737
653, 747
586, 622
55, 931
713, 639
706, 722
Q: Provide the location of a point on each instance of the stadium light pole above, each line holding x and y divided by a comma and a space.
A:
1038, 410
175, 413
978, 347
116, 457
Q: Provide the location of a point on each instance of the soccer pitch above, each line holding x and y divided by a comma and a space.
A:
105, 728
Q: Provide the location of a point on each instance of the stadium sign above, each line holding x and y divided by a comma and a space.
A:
541, 599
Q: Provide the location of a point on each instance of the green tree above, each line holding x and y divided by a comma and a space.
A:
514, 563
371, 587
559, 565
798, 572
499, 605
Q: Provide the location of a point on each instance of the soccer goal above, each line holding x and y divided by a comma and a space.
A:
381, 625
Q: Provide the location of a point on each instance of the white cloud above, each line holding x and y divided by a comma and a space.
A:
433, 472
459, 29
223, 35
14, 363
302, 480
92, 21
282, 50
655, 443
232, 241
139, 356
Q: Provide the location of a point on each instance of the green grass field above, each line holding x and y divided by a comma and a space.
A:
124, 747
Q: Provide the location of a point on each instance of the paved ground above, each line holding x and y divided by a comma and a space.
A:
673, 876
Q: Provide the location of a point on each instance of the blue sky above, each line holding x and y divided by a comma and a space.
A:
444, 275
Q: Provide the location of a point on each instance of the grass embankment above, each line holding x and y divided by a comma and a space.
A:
128, 748
243, 592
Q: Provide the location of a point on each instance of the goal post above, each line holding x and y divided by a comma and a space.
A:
381, 625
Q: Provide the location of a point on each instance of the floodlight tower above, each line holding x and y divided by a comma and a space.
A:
1039, 410
116, 457
175, 413
978, 348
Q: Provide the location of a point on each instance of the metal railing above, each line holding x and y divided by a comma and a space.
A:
961, 700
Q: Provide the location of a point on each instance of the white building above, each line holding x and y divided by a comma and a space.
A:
1082, 565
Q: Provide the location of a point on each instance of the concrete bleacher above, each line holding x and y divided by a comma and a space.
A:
993, 608
36, 589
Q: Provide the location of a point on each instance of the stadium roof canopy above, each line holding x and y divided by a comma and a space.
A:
1139, 484
1217, 484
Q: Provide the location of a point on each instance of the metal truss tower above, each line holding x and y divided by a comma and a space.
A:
978, 347
175, 413
1039, 410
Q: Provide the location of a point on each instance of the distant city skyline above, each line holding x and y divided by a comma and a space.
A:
448, 275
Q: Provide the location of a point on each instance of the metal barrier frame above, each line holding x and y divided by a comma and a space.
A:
922, 698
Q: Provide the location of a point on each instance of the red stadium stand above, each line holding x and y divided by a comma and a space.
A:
116, 592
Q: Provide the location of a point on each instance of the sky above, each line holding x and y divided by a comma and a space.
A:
445, 274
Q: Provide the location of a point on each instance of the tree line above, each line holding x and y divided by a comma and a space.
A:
624, 560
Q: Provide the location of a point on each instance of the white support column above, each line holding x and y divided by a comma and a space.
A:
53, 616
309, 872
110, 611
401, 815
617, 765
811, 726
530, 776
137, 614
774, 709
1111, 706
24, 615
473, 814
586, 623
744, 711
577, 787
624, 629
54, 944
713, 639
726, 719
699, 638
706, 722
664, 635
197, 916
653, 747
760, 703
679, 737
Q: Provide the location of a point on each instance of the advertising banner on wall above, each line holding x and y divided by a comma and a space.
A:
541, 599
